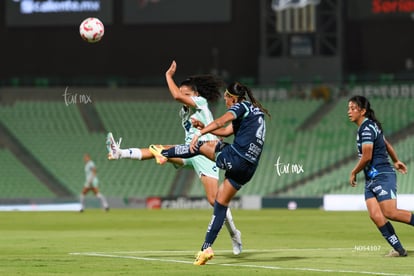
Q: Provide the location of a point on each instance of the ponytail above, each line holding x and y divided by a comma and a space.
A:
256, 103
363, 103
239, 90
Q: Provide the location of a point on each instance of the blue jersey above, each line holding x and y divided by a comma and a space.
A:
249, 131
369, 133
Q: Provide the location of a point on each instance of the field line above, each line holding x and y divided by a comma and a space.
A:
93, 254
111, 255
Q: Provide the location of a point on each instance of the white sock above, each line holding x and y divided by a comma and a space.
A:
132, 153
103, 200
82, 201
230, 223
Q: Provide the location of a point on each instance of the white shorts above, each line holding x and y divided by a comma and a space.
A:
94, 184
202, 166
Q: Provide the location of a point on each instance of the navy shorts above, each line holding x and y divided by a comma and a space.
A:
382, 187
238, 170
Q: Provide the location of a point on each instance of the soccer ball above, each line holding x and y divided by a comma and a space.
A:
91, 30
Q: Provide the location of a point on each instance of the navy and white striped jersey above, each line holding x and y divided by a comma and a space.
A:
249, 131
368, 132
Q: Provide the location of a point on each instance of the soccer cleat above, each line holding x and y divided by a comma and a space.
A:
203, 256
156, 151
395, 253
114, 152
237, 243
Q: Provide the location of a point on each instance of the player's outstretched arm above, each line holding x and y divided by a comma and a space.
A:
174, 89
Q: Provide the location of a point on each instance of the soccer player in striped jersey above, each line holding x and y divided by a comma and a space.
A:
380, 177
194, 93
245, 120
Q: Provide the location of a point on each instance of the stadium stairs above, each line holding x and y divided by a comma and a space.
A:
316, 116
91, 118
395, 138
43, 128
32, 164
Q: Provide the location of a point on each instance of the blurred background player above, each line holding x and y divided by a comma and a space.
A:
244, 119
380, 177
195, 93
91, 183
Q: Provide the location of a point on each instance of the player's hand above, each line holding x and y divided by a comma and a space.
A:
171, 71
400, 166
194, 143
197, 124
352, 180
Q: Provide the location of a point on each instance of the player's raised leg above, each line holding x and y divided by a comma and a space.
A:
115, 152
156, 151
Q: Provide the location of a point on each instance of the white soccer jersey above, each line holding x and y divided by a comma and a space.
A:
201, 113
90, 178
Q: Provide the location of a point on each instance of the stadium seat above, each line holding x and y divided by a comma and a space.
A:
57, 137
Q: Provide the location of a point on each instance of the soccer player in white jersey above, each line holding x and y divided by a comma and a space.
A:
194, 93
91, 183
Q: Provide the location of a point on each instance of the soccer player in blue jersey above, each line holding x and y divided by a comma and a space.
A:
244, 119
380, 177
194, 93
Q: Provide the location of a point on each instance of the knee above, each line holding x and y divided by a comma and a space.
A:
391, 214
377, 218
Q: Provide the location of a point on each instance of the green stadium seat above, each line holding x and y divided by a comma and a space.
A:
17, 180
58, 137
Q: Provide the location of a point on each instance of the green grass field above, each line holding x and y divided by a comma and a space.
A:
163, 242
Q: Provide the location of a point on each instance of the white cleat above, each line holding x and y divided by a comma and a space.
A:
114, 151
237, 243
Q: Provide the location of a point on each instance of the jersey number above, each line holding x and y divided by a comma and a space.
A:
261, 130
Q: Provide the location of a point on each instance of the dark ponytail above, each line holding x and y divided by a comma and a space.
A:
240, 90
363, 103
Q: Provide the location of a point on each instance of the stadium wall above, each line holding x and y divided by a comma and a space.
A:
327, 203
10, 95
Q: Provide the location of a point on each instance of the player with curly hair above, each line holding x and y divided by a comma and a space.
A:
194, 93
245, 120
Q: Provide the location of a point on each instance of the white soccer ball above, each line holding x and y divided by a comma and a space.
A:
91, 30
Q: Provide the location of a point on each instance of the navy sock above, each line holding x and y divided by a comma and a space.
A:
388, 233
181, 151
215, 225
412, 220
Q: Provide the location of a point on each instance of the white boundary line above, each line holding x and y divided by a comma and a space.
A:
111, 255
215, 250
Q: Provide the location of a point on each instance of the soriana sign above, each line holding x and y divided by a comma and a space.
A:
392, 6
380, 9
